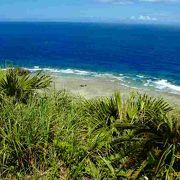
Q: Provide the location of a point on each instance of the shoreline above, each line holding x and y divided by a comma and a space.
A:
137, 81
94, 87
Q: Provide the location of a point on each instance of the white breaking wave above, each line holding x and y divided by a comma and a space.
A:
78, 72
163, 84
75, 71
140, 76
128, 81
149, 83
63, 71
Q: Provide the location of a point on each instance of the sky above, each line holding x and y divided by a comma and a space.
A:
145, 11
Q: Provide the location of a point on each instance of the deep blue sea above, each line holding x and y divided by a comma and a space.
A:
138, 55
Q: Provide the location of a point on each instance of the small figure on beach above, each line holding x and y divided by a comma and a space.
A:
83, 85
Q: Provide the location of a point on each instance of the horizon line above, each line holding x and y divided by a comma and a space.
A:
129, 22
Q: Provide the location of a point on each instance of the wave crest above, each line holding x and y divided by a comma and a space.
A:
136, 81
163, 84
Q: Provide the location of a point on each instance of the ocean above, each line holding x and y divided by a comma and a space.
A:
139, 56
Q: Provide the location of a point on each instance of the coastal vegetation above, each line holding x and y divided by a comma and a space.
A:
57, 135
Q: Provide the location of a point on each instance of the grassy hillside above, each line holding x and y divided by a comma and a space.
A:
56, 135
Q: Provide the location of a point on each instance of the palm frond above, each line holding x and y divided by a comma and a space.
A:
20, 84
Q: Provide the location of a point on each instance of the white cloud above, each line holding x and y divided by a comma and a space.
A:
143, 18
116, 1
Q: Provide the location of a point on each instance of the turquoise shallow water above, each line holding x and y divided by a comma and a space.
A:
145, 56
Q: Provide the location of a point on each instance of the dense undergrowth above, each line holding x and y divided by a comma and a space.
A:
56, 135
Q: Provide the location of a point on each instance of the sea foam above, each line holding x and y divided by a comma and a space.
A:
78, 72
125, 80
163, 84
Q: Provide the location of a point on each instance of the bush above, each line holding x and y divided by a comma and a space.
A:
20, 84
62, 136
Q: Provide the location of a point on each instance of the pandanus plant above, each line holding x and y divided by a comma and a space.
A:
20, 84
146, 122
105, 110
159, 137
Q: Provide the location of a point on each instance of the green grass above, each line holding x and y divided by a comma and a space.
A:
61, 136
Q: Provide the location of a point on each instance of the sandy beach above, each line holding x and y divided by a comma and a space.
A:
93, 87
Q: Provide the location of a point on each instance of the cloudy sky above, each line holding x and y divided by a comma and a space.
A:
156, 11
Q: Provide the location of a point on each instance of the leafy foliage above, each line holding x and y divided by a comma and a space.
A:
60, 136
20, 84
